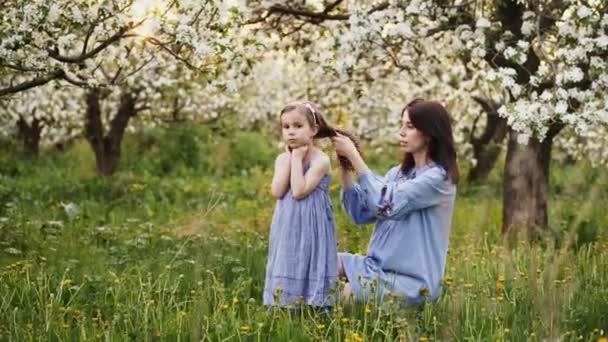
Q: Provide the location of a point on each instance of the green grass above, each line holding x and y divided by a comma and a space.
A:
173, 247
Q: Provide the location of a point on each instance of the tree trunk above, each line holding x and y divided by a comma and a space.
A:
487, 148
107, 147
526, 184
30, 135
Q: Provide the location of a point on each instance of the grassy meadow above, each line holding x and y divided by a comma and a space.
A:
173, 247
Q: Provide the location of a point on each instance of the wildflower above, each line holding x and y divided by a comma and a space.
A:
500, 287
151, 302
500, 298
67, 282
448, 280
245, 328
507, 330
602, 339
424, 291
235, 300
43, 259
356, 337
345, 320
501, 278
367, 309
66, 326
468, 286
423, 338
321, 326
225, 306
61, 309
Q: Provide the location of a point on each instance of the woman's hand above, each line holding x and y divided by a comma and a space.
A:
344, 146
299, 152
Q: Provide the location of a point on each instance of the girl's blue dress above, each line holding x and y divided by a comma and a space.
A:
408, 248
302, 258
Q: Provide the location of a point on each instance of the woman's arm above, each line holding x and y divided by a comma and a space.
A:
301, 184
280, 179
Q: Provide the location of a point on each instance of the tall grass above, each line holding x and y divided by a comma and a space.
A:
173, 247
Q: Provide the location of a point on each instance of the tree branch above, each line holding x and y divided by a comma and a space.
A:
32, 83
84, 56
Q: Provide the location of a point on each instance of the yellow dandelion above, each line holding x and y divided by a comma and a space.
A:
596, 330
61, 309
501, 278
225, 306
321, 326
345, 320
367, 309
602, 339
66, 326
500, 286
507, 330
468, 286
235, 300
67, 282
151, 302
423, 338
448, 280
245, 328
500, 298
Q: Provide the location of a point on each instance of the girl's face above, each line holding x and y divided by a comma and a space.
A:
411, 139
296, 129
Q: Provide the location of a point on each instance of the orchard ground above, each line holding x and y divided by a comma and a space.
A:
173, 247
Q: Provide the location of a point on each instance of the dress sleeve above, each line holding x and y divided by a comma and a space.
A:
396, 199
361, 201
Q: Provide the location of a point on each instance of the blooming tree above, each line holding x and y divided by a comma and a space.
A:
131, 58
538, 65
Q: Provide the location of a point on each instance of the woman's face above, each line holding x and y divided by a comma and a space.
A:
411, 139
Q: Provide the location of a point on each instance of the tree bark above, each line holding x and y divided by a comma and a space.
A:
107, 147
30, 136
487, 148
526, 184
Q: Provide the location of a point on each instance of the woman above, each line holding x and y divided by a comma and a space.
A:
411, 206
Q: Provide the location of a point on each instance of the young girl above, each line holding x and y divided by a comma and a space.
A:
302, 257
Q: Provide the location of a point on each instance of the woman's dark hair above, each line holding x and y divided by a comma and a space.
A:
315, 118
433, 120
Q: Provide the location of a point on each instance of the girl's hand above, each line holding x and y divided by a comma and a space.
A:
299, 152
344, 146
